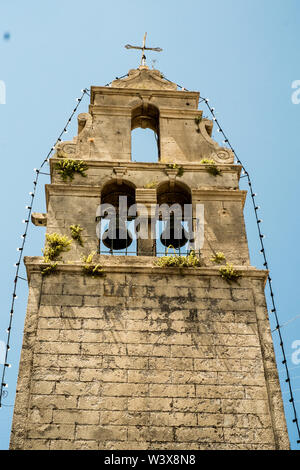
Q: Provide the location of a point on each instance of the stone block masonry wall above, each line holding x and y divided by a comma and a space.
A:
147, 360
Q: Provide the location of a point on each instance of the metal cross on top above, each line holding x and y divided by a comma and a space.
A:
143, 49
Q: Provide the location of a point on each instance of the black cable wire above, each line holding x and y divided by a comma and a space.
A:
84, 92
261, 236
263, 251
117, 78
21, 248
266, 265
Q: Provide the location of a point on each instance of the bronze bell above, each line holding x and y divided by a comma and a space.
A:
117, 237
174, 233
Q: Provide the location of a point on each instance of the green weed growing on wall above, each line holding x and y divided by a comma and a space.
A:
55, 245
174, 166
189, 261
68, 168
49, 269
229, 273
211, 167
76, 233
90, 268
218, 258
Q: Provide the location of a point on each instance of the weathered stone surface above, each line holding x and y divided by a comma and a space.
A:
195, 379
147, 357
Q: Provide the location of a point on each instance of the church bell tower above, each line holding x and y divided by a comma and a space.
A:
146, 329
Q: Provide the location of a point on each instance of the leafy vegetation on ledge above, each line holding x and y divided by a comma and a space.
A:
211, 166
68, 168
229, 273
189, 261
90, 268
174, 166
49, 269
55, 245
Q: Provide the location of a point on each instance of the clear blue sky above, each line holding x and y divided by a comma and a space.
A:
242, 54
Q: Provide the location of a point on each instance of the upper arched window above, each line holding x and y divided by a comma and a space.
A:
145, 146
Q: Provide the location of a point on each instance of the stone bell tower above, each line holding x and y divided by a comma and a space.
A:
123, 352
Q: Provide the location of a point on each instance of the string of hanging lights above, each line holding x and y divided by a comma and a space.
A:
273, 311
38, 172
20, 249
26, 221
245, 174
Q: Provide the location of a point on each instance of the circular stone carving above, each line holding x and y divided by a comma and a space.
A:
69, 148
224, 156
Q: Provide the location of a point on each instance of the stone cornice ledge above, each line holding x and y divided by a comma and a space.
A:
154, 166
219, 194
138, 264
71, 190
100, 90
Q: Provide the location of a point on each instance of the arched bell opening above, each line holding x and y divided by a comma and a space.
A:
145, 139
175, 220
116, 220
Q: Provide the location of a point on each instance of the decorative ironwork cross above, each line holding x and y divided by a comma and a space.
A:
143, 49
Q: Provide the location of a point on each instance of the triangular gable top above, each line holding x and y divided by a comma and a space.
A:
146, 79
